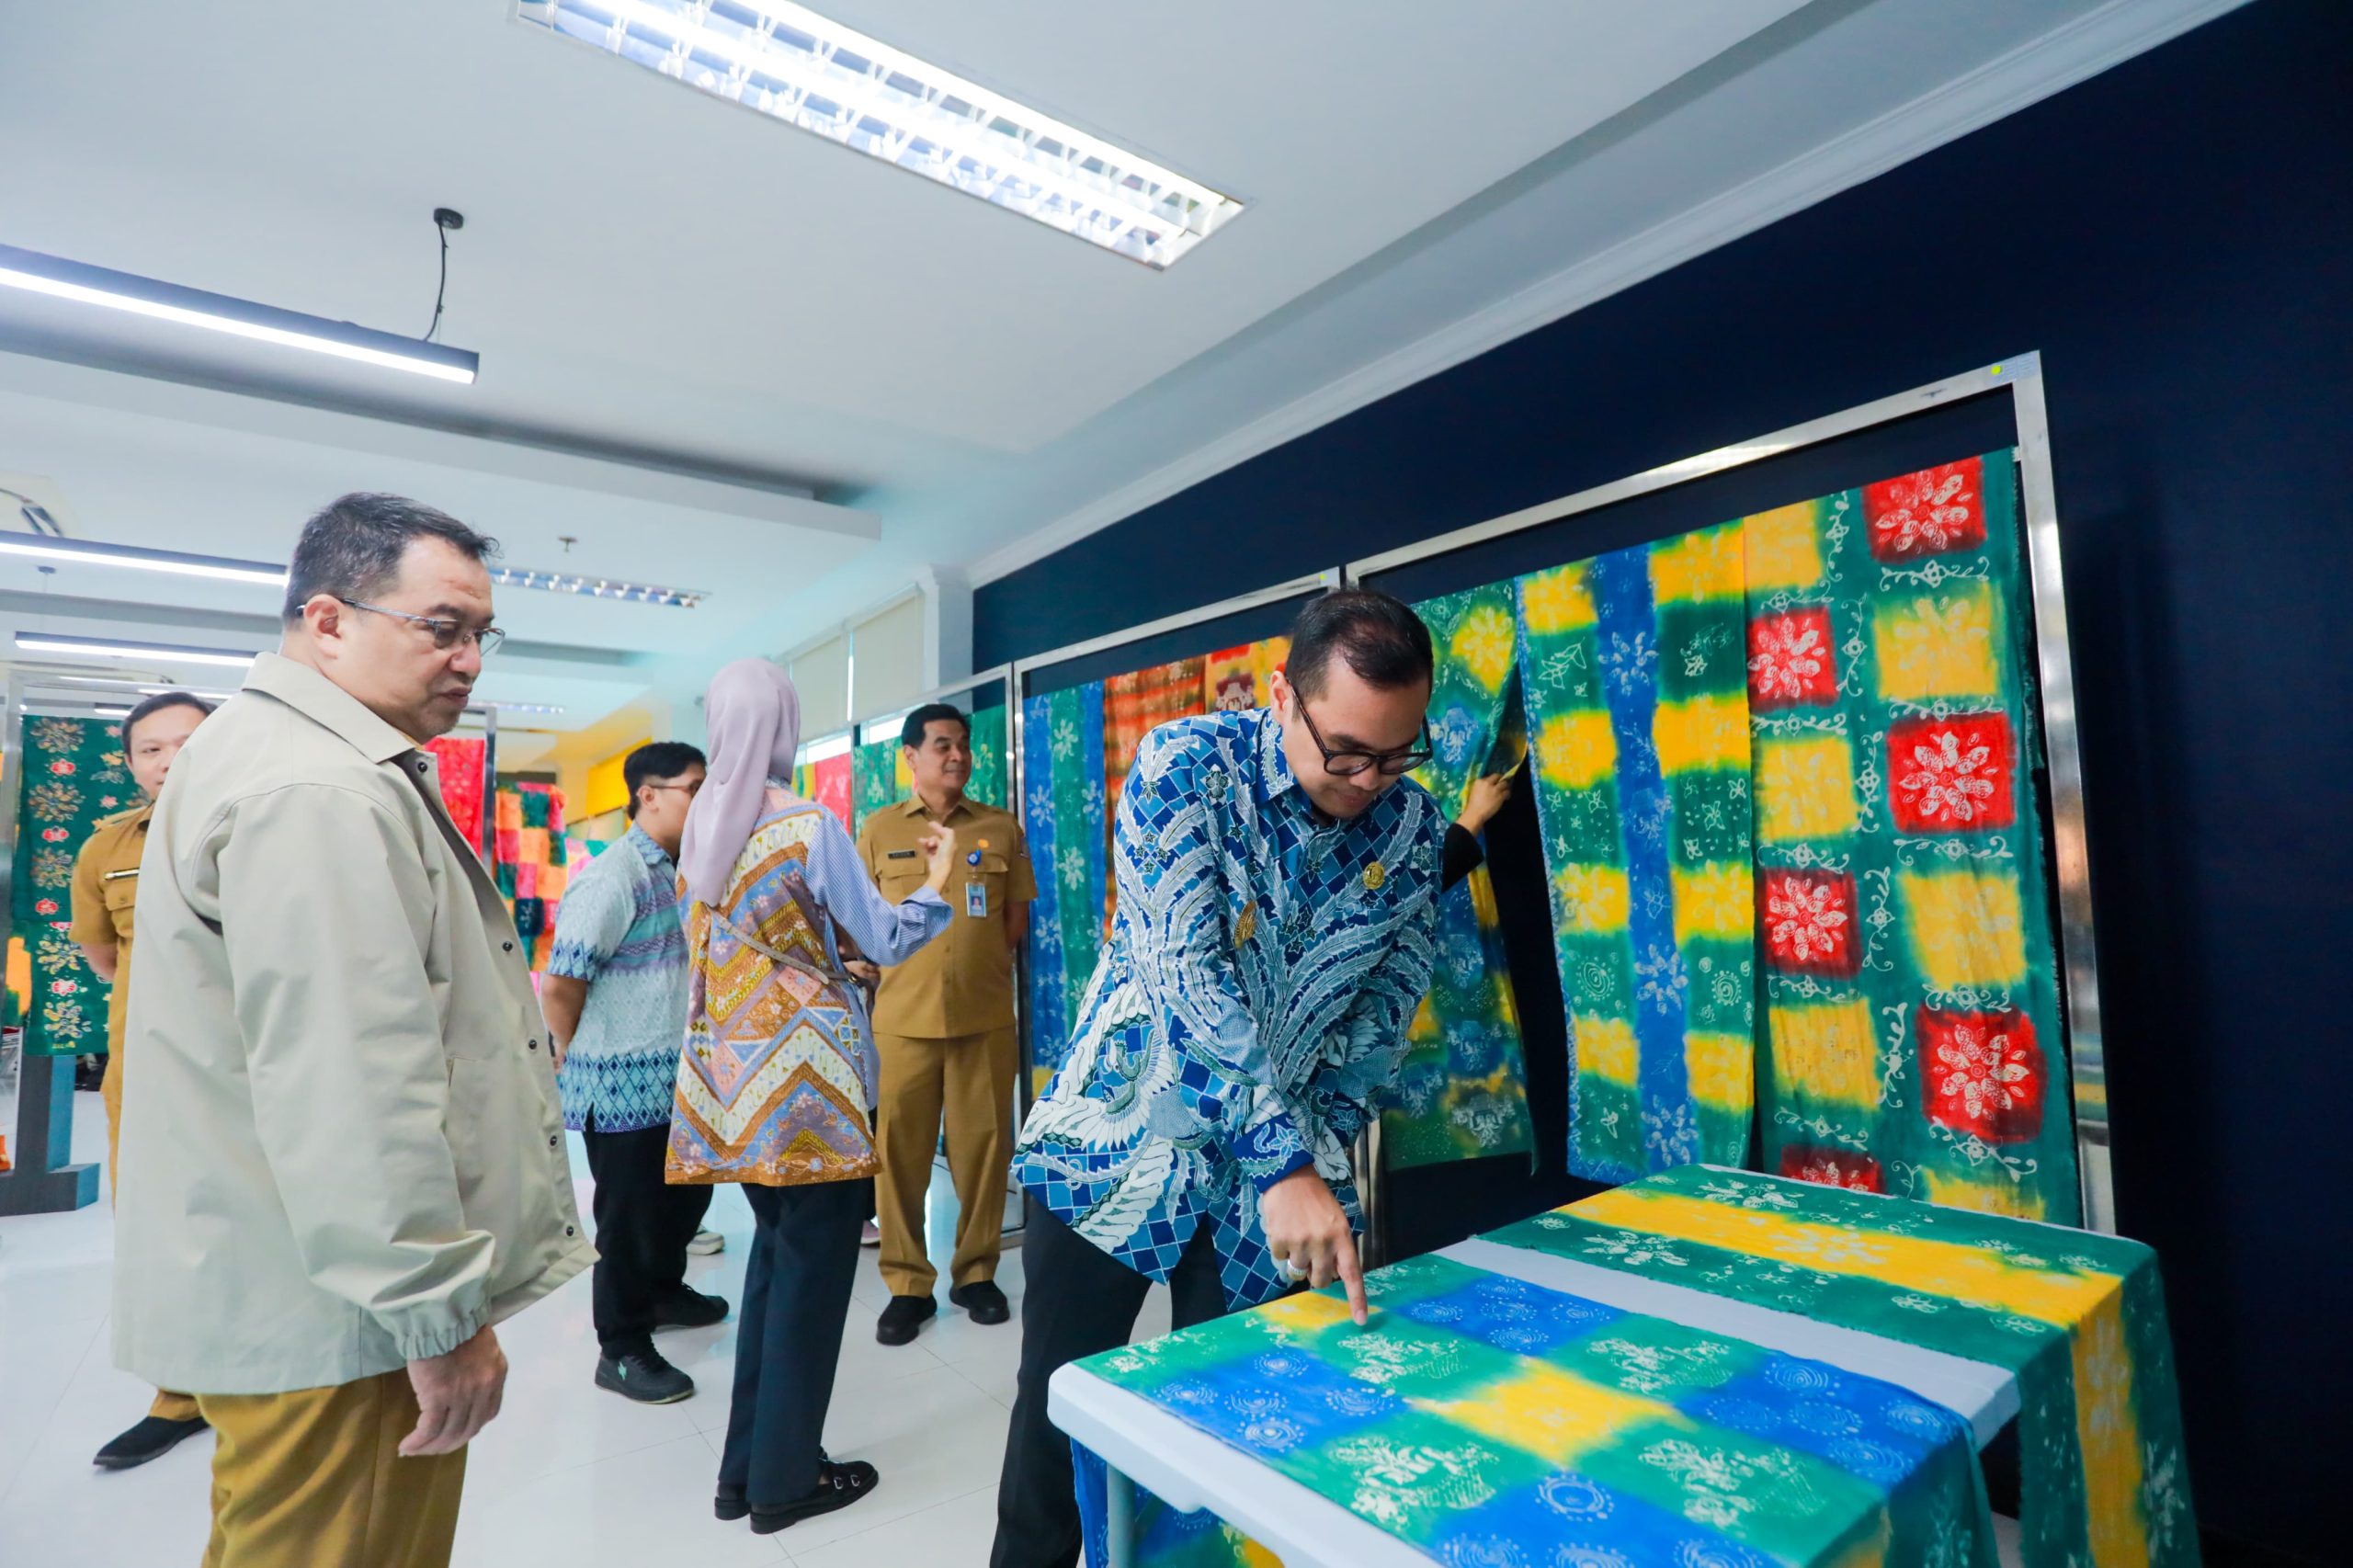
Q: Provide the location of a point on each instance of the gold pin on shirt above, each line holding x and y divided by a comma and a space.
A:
1374, 875
1247, 925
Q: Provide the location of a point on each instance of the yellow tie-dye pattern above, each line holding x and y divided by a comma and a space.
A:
1306, 1311
1702, 733
1578, 750
1715, 900
1593, 899
1915, 1263
2108, 1431
1937, 646
1709, 564
1485, 644
1826, 1051
1805, 788
1999, 1197
1557, 601
1606, 1050
1784, 548
1966, 929
1549, 1412
1719, 1069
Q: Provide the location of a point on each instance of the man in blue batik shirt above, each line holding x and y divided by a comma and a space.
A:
614, 995
1277, 879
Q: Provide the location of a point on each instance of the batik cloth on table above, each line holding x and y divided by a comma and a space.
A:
1485, 1420
831, 786
879, 777
2077, 1317
73, 774
1631, 674
1911, 1035
1463, 1091
1235, 680
1134, 705
987, 784
1061, 770
457, 764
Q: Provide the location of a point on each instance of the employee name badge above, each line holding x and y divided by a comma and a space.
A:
977, 900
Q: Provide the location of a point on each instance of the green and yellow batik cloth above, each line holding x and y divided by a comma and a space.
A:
1061, 768
74, 774
1461, 1093
2079, 1318
879, 777
987, 785
1911, 1037
1632, 680
1482, 1419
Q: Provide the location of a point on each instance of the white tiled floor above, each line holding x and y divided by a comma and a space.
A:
568, 1475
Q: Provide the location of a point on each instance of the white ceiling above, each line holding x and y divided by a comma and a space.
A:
725, 355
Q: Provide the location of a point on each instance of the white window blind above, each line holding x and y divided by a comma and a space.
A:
822, 675
888, 671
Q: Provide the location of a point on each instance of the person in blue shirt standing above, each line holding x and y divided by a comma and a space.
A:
614, 995
1276, 878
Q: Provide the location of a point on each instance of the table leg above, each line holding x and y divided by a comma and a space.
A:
1119, 1505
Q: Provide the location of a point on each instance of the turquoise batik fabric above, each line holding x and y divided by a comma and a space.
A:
1061, 770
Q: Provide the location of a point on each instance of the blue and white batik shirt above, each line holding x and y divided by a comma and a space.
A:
618, 927
1264, 964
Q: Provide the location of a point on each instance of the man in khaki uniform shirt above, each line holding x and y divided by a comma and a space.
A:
343, 1158
943, 1025
106, 888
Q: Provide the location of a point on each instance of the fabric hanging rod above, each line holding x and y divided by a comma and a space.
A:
1999, 376
1295, 587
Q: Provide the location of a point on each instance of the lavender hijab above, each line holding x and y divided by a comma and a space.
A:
753, 716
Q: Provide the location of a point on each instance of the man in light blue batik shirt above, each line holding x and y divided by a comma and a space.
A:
615, 994
1277, 881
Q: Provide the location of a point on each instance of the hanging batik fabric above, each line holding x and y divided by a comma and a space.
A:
1630, 670
1063, 771
832, 786
879, 778
74, 774
987, 783
1461, 1093
1236, 678
458, 765
1133, 706
1912, 1029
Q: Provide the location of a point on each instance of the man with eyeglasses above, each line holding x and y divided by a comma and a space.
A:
615, 998
343, 1156
1276, 878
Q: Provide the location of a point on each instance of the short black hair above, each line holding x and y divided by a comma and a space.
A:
352, 547
657, 759
156, 704
913, 733
1379, 636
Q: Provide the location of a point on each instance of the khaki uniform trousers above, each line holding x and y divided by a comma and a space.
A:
170, 1406
969, 1079
314, 1479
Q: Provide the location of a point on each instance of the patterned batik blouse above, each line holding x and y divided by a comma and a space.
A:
1253, 1000
779, 1079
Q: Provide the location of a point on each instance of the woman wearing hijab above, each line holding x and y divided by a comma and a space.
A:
776, 1085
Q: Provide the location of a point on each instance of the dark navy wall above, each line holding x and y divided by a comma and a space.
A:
2174, 236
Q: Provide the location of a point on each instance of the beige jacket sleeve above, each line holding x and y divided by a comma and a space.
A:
325, 911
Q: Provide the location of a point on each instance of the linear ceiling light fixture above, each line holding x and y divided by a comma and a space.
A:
89, 285
83, 553
794, 65
594, 587
108, 648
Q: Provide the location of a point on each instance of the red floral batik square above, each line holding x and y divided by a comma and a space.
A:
1986, 1074
1952, 774
1790, 662
1833, 1167
1808, 919
1928, 513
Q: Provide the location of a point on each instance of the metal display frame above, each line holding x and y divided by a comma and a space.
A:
2021, 378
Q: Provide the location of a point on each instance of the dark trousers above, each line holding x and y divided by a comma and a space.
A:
788, 1335
1076, 1301
642, 1229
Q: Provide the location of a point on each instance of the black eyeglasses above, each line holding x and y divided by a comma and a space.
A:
446, 634
1348, 764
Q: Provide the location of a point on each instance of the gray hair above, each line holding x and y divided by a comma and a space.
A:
352, 547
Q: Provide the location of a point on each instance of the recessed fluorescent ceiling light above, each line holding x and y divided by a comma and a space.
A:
137, 558
108, 648
89, 285
795, 65
518, 707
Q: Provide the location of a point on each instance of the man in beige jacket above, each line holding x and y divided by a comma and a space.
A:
343, 1157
